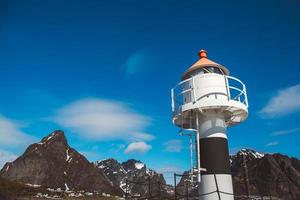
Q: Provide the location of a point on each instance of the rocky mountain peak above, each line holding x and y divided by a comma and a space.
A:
105, 163
54, 164
128, 173
250, 153
56, 136
266, 172
133, 164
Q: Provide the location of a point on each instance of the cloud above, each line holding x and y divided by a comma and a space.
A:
173, 145
286, 101
272, 144
137, 147
285, 132
100, 119
6, 156
140, 60
11, 134
141, 136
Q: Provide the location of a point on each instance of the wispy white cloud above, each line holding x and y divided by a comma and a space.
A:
100, 119
272, 144
137, 136
173, 145
137, 147
138, 61
285, 132
6, 156
286, 101
11, 134
12, 138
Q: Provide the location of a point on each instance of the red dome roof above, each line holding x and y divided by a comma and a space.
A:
203, 62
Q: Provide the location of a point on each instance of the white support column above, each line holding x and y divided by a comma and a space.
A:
198, 153
214, 157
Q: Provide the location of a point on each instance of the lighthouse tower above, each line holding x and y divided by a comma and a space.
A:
207, 101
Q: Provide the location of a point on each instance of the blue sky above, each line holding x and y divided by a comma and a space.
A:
102, 72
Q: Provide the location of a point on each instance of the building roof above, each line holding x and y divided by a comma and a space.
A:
203, 62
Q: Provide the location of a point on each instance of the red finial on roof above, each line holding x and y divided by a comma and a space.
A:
202, 54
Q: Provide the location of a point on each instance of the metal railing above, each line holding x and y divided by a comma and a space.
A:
187, 190
184, 92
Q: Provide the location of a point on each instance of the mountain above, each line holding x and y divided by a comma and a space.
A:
11, 190
187, 185
269, 174
137, 176
273, 175
52, 163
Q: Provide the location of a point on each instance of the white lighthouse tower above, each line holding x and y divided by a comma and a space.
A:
207, 101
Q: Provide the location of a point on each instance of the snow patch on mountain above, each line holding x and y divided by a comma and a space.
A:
7, 168
33, 185
68, 159
139, 165
51, 136
66, 186
247, 152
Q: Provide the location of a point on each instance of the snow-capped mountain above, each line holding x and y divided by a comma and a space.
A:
270, 174
52, 163
248, 153
135, 173
274, 175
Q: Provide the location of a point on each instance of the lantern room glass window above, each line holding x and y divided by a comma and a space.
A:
206, 70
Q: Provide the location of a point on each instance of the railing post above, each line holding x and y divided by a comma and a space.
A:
290, 191
126, 192
159, 190
270, 195
172, 95
227, 87
175, 186
246, 177
187, 190
194, 92
149, 187
217, 187
245, 93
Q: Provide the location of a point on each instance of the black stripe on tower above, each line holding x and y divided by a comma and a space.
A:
214, 155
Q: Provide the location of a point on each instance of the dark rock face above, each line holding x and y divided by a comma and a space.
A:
187, 185
53, 163
136, 174
273, 175
11, 190
112, 169
269, 175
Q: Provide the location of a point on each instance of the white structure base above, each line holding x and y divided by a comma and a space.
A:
221, 184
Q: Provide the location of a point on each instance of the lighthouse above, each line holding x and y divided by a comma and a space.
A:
206, 102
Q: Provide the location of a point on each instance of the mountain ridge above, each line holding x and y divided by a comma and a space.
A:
52, 165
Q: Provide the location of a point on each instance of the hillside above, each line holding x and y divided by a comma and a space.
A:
269, 174
51, 168
53, 164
